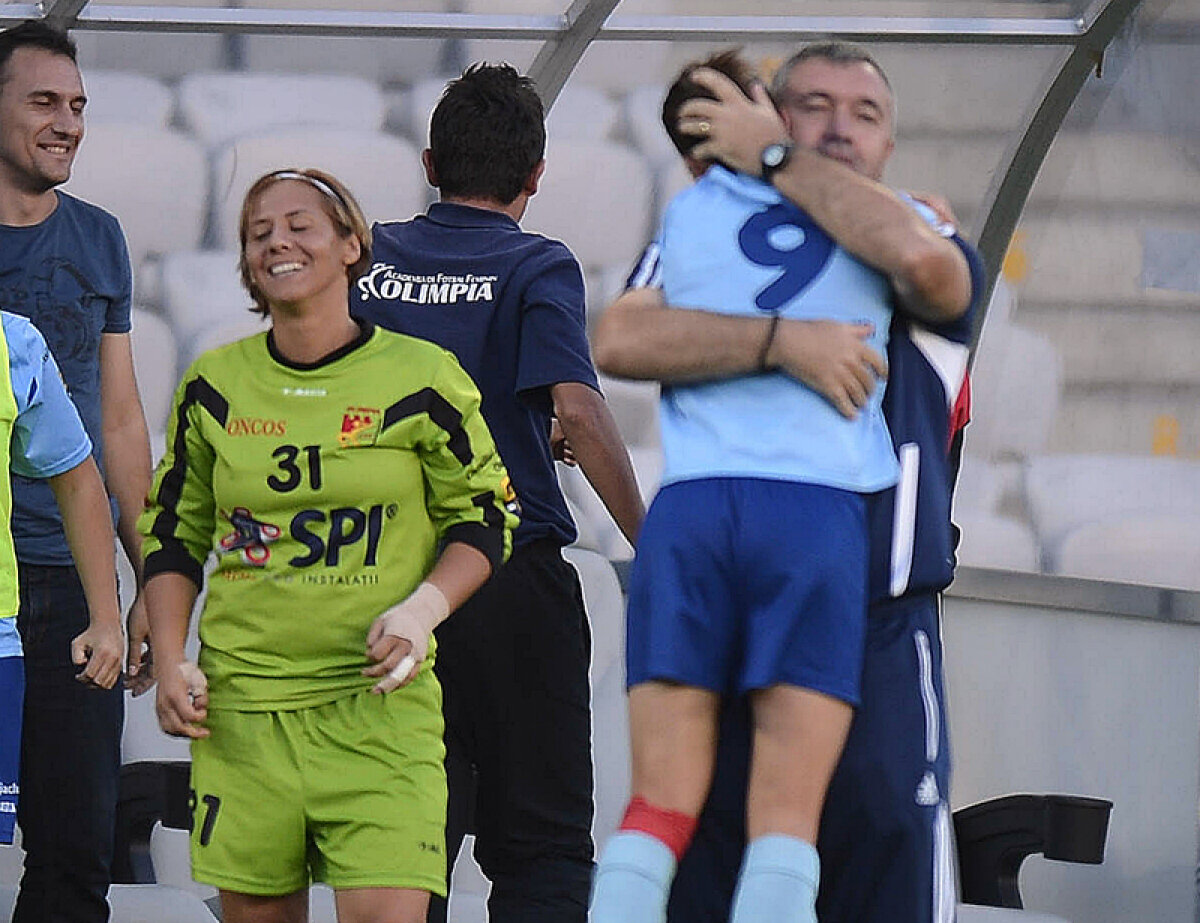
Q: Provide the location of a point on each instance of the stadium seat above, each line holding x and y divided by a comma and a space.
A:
159, 194
201, 292
154, 903
1016, 386
580, 113
978, 489
382, 171
1094, 259
610, 722
960, 89
594, 197
643, 120
221, 106
1154, 549
127, 98
634, 405
154, 363
1099, 352
597, 531
1069, 491
1104, 169
991, 540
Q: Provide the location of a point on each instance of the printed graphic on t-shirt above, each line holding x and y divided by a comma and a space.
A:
386, 282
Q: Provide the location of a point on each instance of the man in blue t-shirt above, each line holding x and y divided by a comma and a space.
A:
46, 440
64, 265
514, 660
841, 111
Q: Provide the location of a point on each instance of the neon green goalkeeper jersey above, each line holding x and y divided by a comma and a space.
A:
324, 492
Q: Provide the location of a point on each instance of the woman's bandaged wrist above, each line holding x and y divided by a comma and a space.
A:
415, 619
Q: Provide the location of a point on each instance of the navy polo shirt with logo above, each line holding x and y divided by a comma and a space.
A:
510, 305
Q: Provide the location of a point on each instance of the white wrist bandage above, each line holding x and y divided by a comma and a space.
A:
414, 620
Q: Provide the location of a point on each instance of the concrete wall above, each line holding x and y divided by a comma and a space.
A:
1050, 693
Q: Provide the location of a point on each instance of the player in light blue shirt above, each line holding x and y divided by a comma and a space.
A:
752, 565
45, 439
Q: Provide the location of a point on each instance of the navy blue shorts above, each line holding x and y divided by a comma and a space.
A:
886, 855
744, 583
12, 695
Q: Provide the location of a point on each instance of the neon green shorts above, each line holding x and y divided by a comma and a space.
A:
351, 793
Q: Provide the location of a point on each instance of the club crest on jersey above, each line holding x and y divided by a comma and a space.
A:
250, 536
360, 427
509, 495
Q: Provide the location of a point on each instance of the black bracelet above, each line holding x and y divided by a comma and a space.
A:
766, 347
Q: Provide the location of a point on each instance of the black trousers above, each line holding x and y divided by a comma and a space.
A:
70, 760
513, 663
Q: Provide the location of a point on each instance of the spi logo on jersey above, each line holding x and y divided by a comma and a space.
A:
786, 237
250, 536
388, 283
360, 427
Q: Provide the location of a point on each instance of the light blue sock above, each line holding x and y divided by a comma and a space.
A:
632, 880
778, 882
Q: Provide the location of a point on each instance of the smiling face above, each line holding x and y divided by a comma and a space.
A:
41, 119
293, 251
841, 110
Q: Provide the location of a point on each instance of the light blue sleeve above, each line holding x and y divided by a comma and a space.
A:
48, 437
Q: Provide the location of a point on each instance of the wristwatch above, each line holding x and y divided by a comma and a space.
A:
774, 157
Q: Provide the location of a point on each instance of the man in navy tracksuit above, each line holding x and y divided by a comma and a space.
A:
885, 837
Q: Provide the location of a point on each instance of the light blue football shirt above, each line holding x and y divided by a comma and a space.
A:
48, 437
731, 244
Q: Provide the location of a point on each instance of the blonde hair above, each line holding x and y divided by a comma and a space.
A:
337, 203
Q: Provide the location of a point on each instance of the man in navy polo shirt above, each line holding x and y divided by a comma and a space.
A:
884, 835
513, 661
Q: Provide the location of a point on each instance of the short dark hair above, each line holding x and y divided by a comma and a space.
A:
33, 33
487, 134
730, 63
834, 51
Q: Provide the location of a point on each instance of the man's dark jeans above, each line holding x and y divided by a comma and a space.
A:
70, 760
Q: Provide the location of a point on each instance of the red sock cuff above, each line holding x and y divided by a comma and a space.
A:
673, 828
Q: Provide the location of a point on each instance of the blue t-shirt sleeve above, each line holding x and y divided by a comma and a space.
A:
117, 318
958, 330
554, 345
48, 437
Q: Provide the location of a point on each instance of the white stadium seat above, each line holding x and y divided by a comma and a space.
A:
634, 405
1097, 347
1118, 168
594, 197
202, 293
1016, 384
220, 106
382, 171
155, 365
610, 722
1068, 491
153, 179
990, 540
580, 112
156, 904
1156, 549
123, 96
